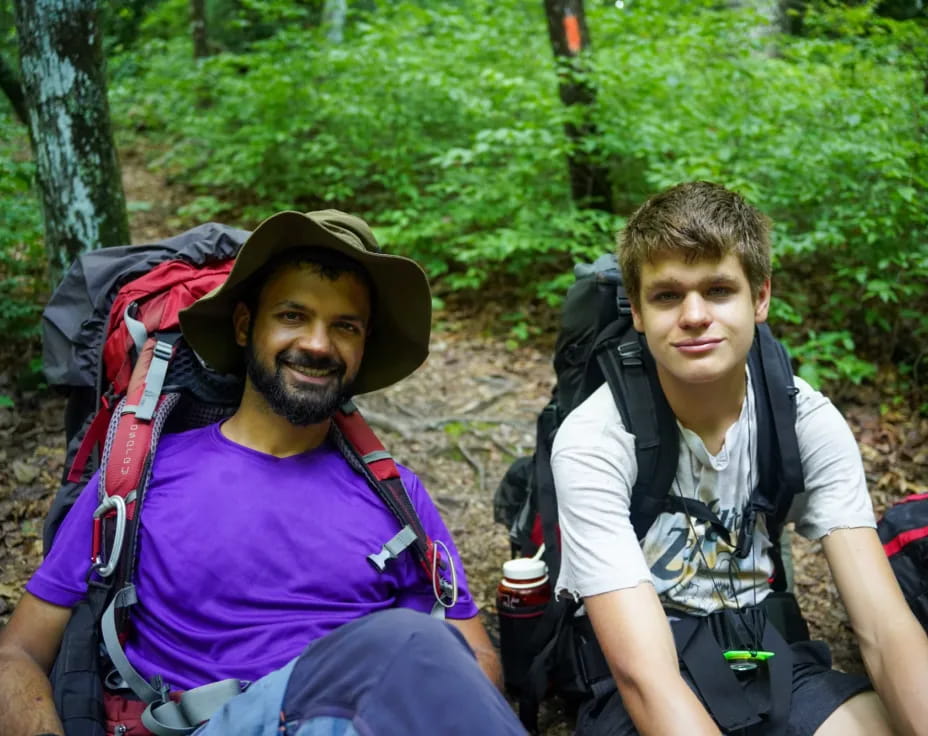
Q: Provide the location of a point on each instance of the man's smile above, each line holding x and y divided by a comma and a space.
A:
697, 345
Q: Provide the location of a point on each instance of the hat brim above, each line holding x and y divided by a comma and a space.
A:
401, 310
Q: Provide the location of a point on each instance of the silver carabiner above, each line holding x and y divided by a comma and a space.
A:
107, 504
438, 584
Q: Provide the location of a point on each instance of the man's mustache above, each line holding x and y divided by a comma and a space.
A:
303, 359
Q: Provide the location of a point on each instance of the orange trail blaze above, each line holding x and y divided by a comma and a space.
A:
572, 32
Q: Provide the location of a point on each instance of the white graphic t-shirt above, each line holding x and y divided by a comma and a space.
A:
690, 565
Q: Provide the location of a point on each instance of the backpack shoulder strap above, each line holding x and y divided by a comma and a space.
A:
366, 454
779, 463
631, 375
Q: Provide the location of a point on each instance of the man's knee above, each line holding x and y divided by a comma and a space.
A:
386, 628
863, 714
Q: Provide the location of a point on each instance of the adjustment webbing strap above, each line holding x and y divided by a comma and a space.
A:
195, 706
163, 717
138, 684
137, 330
162, 351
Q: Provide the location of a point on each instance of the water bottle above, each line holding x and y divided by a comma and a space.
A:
521, 598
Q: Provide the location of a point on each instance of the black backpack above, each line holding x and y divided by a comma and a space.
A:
903, 531
598, 344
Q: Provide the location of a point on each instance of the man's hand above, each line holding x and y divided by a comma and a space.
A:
634, 634
892, 642
476, 636
28, 645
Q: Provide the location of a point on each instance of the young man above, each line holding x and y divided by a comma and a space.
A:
255, 535
696, 264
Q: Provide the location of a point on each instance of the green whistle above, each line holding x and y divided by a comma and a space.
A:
745, 654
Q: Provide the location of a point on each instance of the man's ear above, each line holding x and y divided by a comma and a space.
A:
762, 303
636, 318
241, 319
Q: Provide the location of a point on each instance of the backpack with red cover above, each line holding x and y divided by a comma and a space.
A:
112, 341
903, 531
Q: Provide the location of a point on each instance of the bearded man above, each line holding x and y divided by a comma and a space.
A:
255, 532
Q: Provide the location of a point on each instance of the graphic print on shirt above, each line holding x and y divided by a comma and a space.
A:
694, 569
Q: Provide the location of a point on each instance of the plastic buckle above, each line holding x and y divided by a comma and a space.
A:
108, 504
630, 353
623, 304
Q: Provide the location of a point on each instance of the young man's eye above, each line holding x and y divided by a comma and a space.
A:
663, 297
291, 316
720, 291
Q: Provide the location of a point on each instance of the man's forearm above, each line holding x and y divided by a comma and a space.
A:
667, 706
26, 704
897, 663
489, 662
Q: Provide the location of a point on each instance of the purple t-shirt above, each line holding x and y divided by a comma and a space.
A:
244, 558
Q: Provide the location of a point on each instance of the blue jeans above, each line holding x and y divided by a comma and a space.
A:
396, 672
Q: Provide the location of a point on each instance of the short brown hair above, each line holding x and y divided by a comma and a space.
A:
697, 220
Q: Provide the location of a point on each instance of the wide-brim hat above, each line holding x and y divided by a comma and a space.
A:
401, 303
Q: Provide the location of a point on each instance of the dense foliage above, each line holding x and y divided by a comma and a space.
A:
440, 122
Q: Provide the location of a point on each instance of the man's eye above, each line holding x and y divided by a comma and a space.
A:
664, 296
348, 327
720, 291
290, 316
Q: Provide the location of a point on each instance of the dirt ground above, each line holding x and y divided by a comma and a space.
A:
459, 422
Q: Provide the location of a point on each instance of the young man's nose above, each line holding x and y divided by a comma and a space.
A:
694, 311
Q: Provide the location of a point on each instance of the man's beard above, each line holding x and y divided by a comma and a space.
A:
300, 405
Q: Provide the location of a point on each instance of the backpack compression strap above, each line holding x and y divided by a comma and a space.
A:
365, 453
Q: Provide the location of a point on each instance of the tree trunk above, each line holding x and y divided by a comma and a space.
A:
77, 165
199, 29
570, 41
333, 19
13, 89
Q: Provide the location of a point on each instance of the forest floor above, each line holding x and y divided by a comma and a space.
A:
458, 422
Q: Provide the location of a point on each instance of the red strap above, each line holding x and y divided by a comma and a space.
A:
96, 434
895, 545
132, 439
913, 497
362, 438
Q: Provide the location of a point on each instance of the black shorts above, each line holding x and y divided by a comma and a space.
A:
817, 691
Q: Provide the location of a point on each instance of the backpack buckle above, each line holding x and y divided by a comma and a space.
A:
630, 353
623, 304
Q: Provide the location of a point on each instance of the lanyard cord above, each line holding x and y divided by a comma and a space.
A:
752, 632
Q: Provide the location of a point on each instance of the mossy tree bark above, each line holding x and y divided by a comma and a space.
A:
77, 167
570, 41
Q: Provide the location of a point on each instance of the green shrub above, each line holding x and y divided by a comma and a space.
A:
441, 123
22, 259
